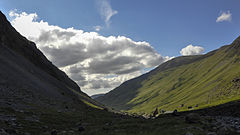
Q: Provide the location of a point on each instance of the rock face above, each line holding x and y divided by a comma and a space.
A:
27, 76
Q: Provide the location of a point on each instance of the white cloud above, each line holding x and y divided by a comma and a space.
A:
106, 11
95, 62
97, 28
192, 50
225, 16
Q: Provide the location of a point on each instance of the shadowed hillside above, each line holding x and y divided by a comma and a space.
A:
30, 74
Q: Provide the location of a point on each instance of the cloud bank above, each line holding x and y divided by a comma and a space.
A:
225, 16
95, 62
192, 50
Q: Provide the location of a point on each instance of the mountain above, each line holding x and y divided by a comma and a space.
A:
96, 96
27, 75
183, 83
36, 98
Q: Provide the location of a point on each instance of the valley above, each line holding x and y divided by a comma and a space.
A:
36, 98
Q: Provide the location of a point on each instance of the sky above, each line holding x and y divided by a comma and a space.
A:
102, 43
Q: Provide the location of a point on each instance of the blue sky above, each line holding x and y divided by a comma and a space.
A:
167, 25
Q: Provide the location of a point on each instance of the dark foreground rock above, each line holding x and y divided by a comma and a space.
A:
192, 118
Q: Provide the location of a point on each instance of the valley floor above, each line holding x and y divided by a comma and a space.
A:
46, 121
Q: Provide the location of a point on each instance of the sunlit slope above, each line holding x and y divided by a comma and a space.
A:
205, 80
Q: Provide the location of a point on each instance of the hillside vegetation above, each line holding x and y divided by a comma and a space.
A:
183, 82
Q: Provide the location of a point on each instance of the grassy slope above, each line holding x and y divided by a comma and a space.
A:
206, 81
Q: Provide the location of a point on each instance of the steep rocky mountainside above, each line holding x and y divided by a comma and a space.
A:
28, 78
183, 83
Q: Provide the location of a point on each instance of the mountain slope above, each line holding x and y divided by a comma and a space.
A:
27, 77
201, 81
96, 95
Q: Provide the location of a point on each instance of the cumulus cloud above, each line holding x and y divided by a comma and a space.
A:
106, 11
224, 16
95, 62
192, 50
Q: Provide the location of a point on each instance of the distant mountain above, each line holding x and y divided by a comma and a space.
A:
97, 95
184, 82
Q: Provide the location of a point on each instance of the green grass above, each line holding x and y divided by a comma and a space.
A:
91, 105
86, 100
195, 80
206, 82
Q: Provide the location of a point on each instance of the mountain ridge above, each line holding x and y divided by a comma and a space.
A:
186, 67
